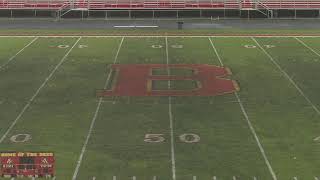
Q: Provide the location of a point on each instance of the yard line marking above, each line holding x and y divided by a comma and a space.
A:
215, 50
307, 46
83, 150
21, 50
253, 131
173, 161
38, 91
287, 76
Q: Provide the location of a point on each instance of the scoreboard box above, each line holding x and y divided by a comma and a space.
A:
27, 164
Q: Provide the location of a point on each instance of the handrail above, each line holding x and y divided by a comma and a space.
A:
157, 4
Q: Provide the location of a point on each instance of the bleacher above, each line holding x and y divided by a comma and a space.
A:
158, 4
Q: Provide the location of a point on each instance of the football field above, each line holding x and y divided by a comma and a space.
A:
268, 129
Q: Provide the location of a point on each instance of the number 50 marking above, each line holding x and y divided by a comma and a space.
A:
186, 138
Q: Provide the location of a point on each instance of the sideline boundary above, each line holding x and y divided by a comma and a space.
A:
167, 35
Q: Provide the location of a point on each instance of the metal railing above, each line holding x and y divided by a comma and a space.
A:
159, 4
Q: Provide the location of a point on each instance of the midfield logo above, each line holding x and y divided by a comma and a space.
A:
159, 80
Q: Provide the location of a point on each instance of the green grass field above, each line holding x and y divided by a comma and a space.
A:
267, 131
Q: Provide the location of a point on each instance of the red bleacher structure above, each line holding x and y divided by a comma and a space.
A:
158, 4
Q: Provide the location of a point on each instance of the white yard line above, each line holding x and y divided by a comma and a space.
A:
287, 76
37, 92
14, 56
305, 45
253, 131
173, 159
216, 52
84, 147
274, 177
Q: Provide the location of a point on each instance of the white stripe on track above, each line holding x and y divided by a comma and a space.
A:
21, 50
37, 92
83, 150
262, 151
173, 159
287, 76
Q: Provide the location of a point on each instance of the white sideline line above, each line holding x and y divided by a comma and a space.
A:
251, 128
21, 50
287, 76
83, 150
173, 160
38, 90
191, 36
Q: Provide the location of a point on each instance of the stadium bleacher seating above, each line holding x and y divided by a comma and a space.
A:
158, 4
